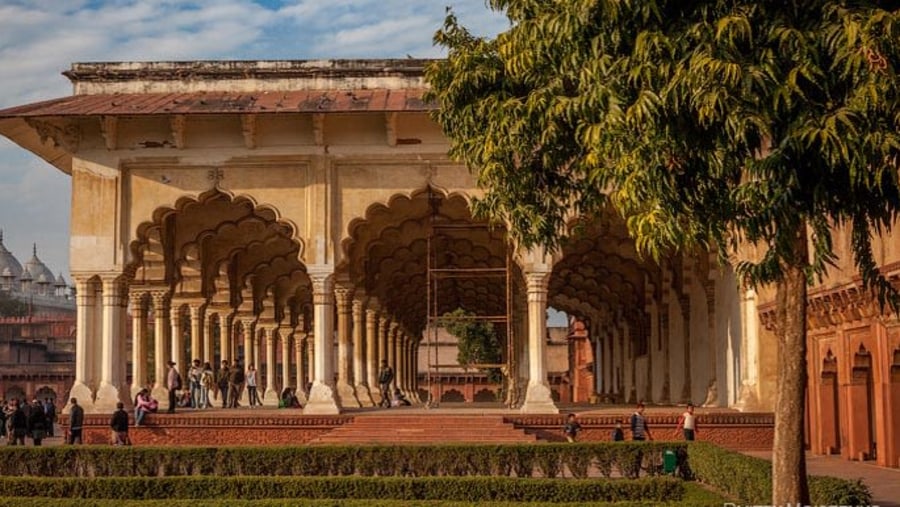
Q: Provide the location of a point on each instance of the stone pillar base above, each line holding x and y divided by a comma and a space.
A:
539, 400
364, 396
347, 395
85, 396
271, 398
108, 396
322, 401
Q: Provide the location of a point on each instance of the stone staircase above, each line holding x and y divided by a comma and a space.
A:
426, 429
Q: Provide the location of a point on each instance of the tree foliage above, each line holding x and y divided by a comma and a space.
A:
703, 123
710, 124
477, 339
11, 307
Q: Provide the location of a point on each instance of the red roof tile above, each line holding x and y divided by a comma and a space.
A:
300, 101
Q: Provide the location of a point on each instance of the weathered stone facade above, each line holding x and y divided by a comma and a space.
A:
282, 213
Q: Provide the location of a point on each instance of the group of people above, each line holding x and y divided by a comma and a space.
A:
640, 431
20, 420
229, 382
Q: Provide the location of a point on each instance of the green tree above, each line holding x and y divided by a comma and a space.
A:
476, 339
705, 124
10, 307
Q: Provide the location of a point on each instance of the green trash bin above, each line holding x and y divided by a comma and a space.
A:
670, 461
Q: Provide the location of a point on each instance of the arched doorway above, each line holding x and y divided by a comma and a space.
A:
829, 405
221, 271
862, 397
391, 255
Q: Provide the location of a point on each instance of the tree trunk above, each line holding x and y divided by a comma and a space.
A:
789, 460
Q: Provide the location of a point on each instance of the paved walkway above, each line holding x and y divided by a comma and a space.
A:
883, 482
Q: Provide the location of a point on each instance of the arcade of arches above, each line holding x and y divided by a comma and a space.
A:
279, 213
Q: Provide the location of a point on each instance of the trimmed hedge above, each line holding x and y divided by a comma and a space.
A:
459, 489
625, 459
749, 479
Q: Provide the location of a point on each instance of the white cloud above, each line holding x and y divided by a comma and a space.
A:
41, 38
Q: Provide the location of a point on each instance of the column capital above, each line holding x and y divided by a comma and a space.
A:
159, 297
342, 296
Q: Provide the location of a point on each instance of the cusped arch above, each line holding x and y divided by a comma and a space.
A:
230, 208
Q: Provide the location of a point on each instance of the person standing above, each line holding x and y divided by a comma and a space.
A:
50, 412
76, 422
252, 393
207, 383
173, 382
235, 384
119, 425
617, 434
571, 428
687, 422
37, 422
222, 382
385, 377
17, 424
639, 429
194, 382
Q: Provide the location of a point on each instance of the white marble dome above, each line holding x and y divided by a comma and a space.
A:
9, 265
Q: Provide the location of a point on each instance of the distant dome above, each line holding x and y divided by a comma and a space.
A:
8, 261
37, 268
60, 281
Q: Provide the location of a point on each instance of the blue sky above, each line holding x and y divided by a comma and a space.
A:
41, 38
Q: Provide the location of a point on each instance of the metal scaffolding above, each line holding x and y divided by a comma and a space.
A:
438, 273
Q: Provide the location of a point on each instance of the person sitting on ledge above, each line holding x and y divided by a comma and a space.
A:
289, 399
399, 399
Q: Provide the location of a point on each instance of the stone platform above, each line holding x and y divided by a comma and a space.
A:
448, 424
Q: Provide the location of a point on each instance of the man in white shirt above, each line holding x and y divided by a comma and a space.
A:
687, 422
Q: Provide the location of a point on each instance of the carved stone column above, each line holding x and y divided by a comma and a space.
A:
300, 341
414, 360
196, 312
400, 361
178, 352
393, 329
249, 330
538, 398
209, 350
373, 337
138, 343
84, 343
346, 394
285, 335
270, 398
360, 377
111, 389
310, 360
322, 398
160, 300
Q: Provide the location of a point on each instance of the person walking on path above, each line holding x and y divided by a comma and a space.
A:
119, 425
571, 428
222, 377
76, 422
687, 422
385, 377
639, 429
252, 393
174, 384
